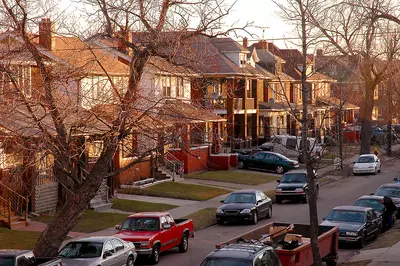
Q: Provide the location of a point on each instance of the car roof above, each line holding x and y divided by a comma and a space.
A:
148, 214
13, 252
239, 250
297, 171
352, 208
367, 155
396, 185
373, 197
93, 239
245, 191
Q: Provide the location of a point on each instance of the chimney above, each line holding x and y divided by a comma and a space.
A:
263, 44
245, 42
124, 34
46, 29
320, 52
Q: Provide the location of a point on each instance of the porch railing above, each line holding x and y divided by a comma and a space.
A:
171, 165
12, 202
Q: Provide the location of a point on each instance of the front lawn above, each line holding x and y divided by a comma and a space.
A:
13, 239
242, 177
140, 206
203, 218
91, 221
177, 191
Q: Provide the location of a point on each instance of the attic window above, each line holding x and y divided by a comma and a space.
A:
243, 60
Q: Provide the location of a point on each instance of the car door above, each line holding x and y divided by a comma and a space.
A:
376, 220
174, 229
264, 205
166, 236
110, 258
274, 161
258, 160
120, 252
378, 162
371, 226
259, 205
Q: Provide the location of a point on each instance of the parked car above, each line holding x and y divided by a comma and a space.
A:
367, 164
156, 232
356, 224
107, 251
243, 255
391, 190
293, 186
267, 161
10, 257
394, 134
244, 205
291, 146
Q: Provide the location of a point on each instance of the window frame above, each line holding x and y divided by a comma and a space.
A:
166, 90
118, 242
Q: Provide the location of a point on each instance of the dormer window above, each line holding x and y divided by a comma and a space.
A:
243, 60
278, 68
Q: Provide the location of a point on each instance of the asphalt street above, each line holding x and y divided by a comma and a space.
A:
343, 192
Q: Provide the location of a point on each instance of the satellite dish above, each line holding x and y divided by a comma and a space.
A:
271, 100
214, 96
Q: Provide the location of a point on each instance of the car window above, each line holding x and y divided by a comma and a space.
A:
7, 261
347, 216
118, 245
108, 247
375, 204
373, 215
163, 220
263, 196
81, 249
241, 198
22, 261
388, 191
369, 216
294, 178
291, 144
273, 157
170, 220
366, 159
268, 258
259, 155
141, 224
258, 197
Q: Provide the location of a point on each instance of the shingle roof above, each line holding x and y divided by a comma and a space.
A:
228, 45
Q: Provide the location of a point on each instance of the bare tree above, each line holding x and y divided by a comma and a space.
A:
60, 124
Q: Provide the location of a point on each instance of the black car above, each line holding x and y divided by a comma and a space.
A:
244, 205
293, 186
391, 190
356, 224
267, 161
243, 254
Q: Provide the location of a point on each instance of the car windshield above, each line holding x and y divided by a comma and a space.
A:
141, 224
377, 205
81, 250
366, 159
347, 216
283, 157
389, 191
226, 262
241, 198
294, 178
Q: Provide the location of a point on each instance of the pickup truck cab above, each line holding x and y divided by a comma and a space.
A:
25, 258
156, 232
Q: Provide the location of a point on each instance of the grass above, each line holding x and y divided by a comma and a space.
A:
13, 239
203, 218
271, 195
140, 206
242, 177
91, 221
178, 191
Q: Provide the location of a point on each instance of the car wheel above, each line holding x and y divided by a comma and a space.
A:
279, 170
362, 241
376, 171
184, 245
255, 218
242, 165
155, 255
130, 261
269, 212
379, 170
306, 198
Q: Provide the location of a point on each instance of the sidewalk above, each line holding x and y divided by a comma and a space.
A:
382, 256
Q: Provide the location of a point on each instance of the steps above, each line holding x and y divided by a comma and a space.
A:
13, 208
101, 202
16, 220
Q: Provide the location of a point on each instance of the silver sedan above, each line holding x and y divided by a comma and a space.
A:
93, 251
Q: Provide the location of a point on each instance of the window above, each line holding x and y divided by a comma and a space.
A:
299, 91
108, 247
376, 93
258, 197
95, 90
243, 59
121, 84
118, 245
141, 223
170, 220
84, 249
166, 86
259, 156
95, 148
179, 87
273, 91
21, 75
129, 146
163, 221
283, 92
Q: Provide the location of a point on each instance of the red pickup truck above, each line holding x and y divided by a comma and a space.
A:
155, 232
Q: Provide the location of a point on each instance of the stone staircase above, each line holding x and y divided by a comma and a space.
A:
13, 208
101, 201
169, 167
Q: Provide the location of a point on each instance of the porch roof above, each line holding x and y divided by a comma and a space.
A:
335, 102
179, 112
277, 107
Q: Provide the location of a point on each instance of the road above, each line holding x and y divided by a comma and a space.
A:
343, 192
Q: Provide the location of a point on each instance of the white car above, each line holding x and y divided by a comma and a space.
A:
367, 164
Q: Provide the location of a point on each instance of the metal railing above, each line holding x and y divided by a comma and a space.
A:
171, 165
12, 202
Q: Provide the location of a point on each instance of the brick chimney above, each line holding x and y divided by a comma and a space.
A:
263, 44
125, 34
46, 30
320, 52
245, 42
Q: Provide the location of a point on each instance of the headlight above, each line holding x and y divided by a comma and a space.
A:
246, 211
219, 210
278, 190
299, 190
351, 233
145, 244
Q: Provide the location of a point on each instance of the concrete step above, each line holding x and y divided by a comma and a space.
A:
101, 206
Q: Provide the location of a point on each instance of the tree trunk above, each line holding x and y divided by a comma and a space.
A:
366, 116
69, 214
313, 212
389, 138
389, 117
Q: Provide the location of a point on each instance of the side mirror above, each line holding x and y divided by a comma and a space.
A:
222, 201
372, 193
166, 226
107, 254
278, 180
396, 179
324, 218
118, 227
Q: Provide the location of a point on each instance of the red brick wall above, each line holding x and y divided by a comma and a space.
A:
218, 162
195, 161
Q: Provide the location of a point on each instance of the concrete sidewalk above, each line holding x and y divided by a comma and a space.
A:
381, 256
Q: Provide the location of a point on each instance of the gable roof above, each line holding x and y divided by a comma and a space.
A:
228, 45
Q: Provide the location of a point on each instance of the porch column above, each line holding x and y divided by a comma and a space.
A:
254, 127
243, 126
186, 137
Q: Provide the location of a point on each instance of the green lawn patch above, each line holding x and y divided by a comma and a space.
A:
247, 178
13, 239
203, 218
140, 206
178, 191
271, 195
91, 221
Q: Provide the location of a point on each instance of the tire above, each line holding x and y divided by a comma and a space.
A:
354, 174
130, 261
376, 171
269, 212
155, 255
306, 198
361, 244
220, 222
278, 201
184, 245
379, 169
279, 170
242, 165
254, 219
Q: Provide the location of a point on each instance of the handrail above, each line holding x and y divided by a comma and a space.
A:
10, 189
15, 202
